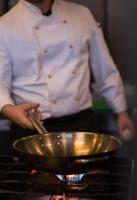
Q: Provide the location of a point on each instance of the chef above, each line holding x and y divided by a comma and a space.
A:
48, 49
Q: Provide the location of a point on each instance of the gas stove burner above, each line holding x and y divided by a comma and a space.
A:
71, 179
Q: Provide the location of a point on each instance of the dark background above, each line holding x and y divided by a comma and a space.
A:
118, 20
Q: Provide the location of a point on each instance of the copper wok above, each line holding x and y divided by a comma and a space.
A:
66, 152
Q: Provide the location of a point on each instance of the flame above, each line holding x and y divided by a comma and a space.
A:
71, 179
33, 172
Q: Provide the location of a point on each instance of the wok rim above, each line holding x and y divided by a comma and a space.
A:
117, 140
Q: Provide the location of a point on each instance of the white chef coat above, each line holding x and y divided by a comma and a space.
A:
48, 60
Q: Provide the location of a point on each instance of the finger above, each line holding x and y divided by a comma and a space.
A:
37, 114
29, 106
26, 123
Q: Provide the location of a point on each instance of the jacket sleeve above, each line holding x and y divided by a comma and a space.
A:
5, 74
105, 72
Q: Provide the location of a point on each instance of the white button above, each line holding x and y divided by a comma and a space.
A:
98, 25
45, 50
64, 21
74, 72
53, 101
37, 27
49, 76
70, 46
77, 98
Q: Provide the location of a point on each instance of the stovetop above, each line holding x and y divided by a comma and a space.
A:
110, 180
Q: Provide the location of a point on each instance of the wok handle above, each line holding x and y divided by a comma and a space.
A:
37, 123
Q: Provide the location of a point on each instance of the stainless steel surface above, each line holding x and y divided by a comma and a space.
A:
37, 123
66, 152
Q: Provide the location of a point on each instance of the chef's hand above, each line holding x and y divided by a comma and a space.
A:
19, 113
125, 126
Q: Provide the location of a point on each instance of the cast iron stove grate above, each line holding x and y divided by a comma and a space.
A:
111, 180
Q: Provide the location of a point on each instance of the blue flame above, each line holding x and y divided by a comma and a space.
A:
71, 179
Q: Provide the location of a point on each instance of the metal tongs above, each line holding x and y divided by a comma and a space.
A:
37, 123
